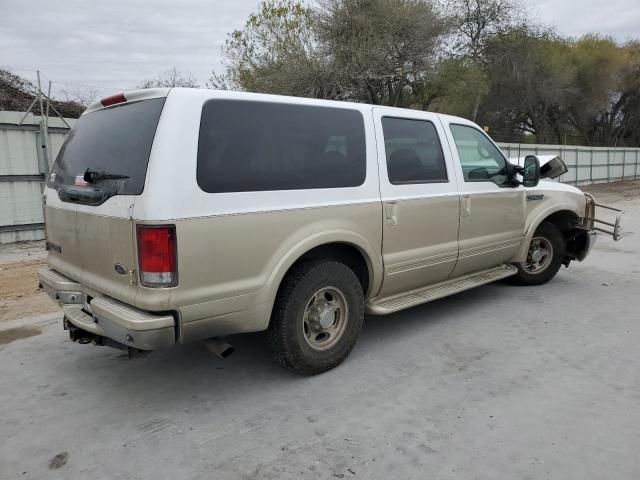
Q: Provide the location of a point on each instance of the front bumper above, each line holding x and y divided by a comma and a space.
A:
590, 221
590, 240
106, 317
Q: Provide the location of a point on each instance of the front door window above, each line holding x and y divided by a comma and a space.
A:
481, 160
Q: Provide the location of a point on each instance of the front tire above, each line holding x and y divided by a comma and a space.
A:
317, 317
544, 257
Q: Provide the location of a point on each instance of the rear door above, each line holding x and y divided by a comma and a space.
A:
420, 200
93, 185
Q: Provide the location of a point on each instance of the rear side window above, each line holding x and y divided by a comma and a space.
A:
116, 140
413, 150
256, 146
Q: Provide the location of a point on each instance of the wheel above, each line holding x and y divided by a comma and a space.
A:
544, 258
317, 317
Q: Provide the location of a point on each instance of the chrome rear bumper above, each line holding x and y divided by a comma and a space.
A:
106, 317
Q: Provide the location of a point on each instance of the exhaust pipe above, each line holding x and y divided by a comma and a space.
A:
219, 347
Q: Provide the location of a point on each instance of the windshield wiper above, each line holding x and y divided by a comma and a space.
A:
93, 176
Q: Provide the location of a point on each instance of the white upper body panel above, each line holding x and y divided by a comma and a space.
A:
172, 167
171, 191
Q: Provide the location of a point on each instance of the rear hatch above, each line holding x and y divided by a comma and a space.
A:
92, 188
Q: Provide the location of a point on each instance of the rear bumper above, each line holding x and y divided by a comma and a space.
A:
106, 317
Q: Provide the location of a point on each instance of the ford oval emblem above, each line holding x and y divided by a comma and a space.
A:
121, 269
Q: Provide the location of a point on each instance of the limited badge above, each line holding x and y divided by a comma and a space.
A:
534, 197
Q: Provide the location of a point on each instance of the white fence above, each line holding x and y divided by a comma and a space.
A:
24, 166
585, 164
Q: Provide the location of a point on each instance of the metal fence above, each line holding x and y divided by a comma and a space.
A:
25, 159
24, 164
586, 164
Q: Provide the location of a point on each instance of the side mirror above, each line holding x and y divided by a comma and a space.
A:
531, 171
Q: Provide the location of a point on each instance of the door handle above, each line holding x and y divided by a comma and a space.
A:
466, 206
391, 212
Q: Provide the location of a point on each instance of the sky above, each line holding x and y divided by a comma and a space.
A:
104, 47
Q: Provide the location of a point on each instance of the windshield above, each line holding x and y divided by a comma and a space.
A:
115, 140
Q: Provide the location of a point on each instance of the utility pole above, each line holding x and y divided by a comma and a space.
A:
44, 156
44, 124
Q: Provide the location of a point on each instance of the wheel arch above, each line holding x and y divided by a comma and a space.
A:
563, 217
346, 247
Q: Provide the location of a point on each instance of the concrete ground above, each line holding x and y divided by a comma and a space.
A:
495, 383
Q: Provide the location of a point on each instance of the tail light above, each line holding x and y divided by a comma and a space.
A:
157, 257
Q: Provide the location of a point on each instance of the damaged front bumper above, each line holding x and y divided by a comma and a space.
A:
105, 321
591, 222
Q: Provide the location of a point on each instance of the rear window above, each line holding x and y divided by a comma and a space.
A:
257, 146
116, 140
414, 154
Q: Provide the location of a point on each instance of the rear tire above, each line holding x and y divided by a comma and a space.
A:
317, 317
544, 257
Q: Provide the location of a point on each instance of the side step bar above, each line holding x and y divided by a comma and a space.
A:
383, 306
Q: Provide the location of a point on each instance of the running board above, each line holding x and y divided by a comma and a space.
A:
383, 306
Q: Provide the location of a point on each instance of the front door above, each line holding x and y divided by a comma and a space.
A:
420, 199
491, 208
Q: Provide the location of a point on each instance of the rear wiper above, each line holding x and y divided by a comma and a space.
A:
93, 176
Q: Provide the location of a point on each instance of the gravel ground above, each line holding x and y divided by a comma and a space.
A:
497, 382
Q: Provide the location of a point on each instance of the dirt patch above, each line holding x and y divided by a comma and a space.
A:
13, 334
614, 192
22, 251
19, 293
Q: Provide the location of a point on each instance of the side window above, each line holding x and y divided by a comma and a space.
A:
259, 146
414, 154
481, 160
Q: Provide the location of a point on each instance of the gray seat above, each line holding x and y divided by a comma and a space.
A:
404, 166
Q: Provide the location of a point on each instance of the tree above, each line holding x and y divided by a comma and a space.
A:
477, 23
624, 116
384, 50
458, 88
171, 78
377, 51
276, 52
17, 94
602, 88
530, 84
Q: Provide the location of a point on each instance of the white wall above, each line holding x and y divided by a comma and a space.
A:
23, 167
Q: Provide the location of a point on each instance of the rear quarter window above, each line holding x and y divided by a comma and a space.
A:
258, 146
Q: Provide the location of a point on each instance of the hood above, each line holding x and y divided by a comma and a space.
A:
551, 166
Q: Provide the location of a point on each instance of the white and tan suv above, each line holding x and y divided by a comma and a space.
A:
181, 215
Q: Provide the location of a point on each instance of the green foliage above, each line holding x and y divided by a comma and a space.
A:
275, 52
